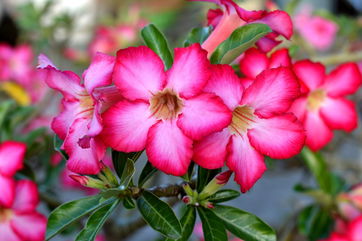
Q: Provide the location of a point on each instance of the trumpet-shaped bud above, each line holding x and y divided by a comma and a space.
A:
89, 181
215, 184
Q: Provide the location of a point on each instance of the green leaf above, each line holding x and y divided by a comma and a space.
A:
129, 203
204, 176
240, 40
198, 35
57, 144
244, 225
128, 173
5, 106
187, 222
224, 195
96, 221
156, 41
159, 215
69, 212
315, 222
119, 160
146, 173
212, 226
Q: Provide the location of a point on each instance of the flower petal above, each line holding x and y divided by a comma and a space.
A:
279, 137
318, 133
214, 16
61, 123
344, 80
30, 226
7, 233
279, 21
83, 159
225, 84
280, 58
299, 108
7, 191
11, 157
168, 149
26, 199
253, 63
272, 92
345, 118
126, 126
247, 163
355, 228
138, 73
190, 71
99, 72
311, 74
210, 152
203, 115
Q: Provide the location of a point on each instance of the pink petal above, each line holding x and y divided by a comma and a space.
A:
126, 126
311, 74
190, 71
30, 226
247, 163
214, 16
280, 22
7, 186
344, 80
345, 118
225, 84
299, 108
280, 58
138, 73
168, 149
355, 228
203, 115
272, 92
26, 199
279, 137
99, 72
246, 82
11, 157
7, 233
267, 43
83, 159
64, 120
253, 63
318, 133
210, 152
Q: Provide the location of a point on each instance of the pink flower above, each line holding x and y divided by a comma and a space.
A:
20, 221
322, 95
353, 232
260, 125
317, 31
350, 203
80, 121
163, 111
11, 160
232, 16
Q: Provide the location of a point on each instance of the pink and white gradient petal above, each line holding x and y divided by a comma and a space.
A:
280, 58
29, 226
318, 133
247, 163
168, 149
272, 92
279, 21
311, 74
7, 233
278, 137
11, 157
138, 73
355, 228
344, 80
299, 108
346, 118
7, 185
26, 199
211, 151
253, 63
189, 72
203, 115
126, 126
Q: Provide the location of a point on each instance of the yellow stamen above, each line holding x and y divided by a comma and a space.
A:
316, 99
166, 104
243, 118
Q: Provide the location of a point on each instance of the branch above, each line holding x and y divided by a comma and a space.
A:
339, 58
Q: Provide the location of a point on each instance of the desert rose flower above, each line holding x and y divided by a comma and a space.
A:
80, 121
352, 232
11, 160
350, 203
232, 16
163, 111
260, 125
322, 95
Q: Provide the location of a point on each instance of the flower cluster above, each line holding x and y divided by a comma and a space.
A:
19, 219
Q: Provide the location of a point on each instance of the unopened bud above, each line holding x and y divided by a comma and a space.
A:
188, 190
350, 203
215, 184
111, 178
223, 177
88, 181
207, 204
186, 199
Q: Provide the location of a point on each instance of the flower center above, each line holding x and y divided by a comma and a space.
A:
243, 118
86, 103
166, 104
315, 99
5, 214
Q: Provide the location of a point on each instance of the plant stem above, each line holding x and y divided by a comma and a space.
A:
339, 58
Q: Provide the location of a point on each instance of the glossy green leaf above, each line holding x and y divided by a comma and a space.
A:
128, 172
96, 221
204, 176
156, 41
57, 144
69, 212
198, 35
147, 172
244, 225
213, 227
129, 203
159, 215
224, 195
188, 223
119, 160
5, 106
240, 40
